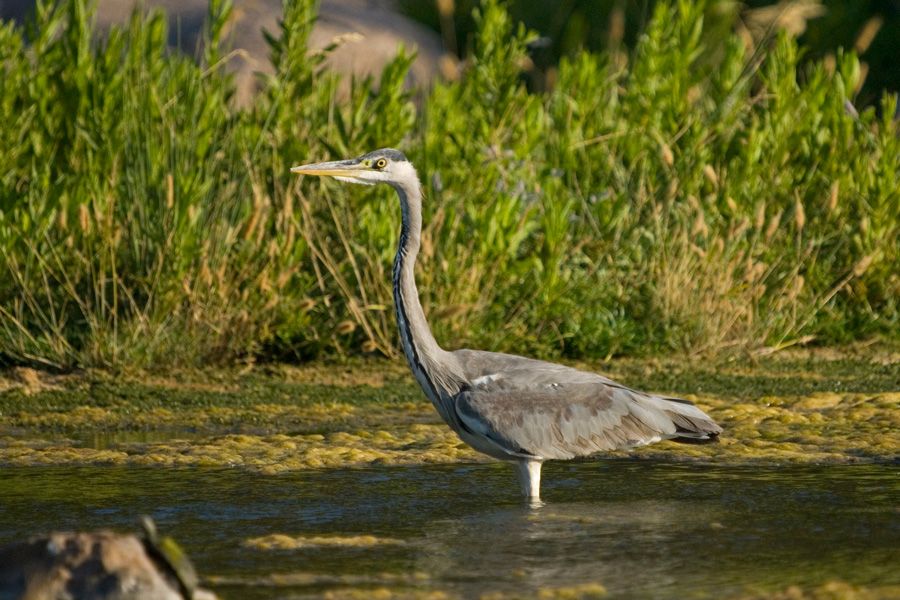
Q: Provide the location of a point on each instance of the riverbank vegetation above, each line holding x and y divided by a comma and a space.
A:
798, 407
696, 196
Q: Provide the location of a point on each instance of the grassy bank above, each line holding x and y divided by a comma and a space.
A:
801, 407
697, 196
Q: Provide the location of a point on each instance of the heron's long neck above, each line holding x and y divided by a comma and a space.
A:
435, 369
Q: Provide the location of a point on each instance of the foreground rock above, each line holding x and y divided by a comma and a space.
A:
100, 566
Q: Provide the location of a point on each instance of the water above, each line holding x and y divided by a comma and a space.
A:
641, 529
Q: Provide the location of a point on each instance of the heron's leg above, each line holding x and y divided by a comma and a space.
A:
529, 472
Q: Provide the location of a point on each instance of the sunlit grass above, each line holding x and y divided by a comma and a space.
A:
695, 198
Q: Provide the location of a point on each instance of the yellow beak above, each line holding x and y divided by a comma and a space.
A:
337, 168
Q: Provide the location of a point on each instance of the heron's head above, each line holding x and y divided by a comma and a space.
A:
381, 166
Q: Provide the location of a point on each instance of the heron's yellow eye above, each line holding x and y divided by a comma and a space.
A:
380, 163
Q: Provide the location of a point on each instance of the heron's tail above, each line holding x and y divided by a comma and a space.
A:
692, 425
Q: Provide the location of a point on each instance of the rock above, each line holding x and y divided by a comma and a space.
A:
99, 566
380, 28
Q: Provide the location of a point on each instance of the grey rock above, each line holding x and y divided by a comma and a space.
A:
93, 566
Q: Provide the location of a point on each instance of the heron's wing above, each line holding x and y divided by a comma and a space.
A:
562, 421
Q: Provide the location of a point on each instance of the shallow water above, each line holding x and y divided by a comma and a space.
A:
641, 529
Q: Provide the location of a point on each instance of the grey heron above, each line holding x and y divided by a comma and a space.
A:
511, 407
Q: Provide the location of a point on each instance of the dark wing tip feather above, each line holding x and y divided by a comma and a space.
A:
678, 400
709, 438
694, 431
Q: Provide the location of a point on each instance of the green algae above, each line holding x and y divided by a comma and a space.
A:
266, 454
281, 541
799, 407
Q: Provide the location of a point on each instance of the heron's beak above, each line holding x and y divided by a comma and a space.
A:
342, 170
337, 168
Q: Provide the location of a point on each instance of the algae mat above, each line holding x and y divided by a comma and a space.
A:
803, 407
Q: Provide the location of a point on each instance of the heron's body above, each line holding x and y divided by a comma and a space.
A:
506, 406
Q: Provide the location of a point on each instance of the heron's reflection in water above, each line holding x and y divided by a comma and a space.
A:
530, 548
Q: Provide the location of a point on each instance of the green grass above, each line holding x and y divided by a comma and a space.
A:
693, 197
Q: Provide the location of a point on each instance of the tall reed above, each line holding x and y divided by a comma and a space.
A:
694, 197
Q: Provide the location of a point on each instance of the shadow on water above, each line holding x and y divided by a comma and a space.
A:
639, 528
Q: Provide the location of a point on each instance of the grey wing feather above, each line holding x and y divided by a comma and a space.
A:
533, 408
